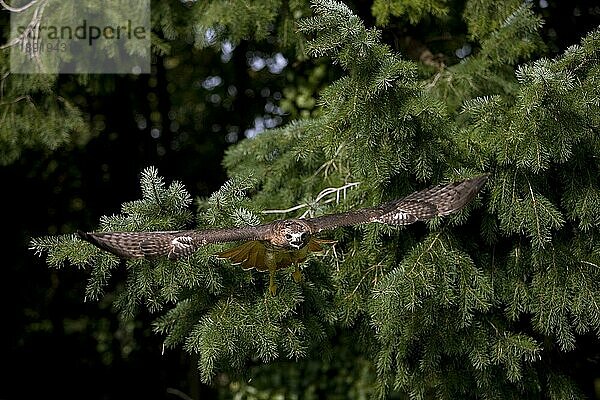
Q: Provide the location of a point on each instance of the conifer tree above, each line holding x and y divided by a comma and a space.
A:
476, 305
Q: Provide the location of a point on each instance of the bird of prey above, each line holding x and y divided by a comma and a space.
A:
282, 243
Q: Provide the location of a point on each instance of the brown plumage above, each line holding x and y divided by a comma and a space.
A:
285, 242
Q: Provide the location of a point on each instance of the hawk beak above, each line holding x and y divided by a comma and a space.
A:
297, 241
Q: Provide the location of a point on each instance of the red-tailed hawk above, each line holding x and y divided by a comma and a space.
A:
281, 243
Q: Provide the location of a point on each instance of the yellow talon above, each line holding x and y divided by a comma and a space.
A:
272, 266
273, 289
272, 285
297, 275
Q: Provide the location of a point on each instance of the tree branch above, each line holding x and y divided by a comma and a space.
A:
17, 9
320, 196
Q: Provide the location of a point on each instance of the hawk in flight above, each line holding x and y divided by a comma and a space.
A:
281, 243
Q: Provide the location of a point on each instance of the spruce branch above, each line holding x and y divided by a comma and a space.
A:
433, 310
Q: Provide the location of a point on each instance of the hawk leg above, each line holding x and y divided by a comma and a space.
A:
272, 284
297, 274
272, 267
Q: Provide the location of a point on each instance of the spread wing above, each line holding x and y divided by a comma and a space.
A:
172, 244
419, 206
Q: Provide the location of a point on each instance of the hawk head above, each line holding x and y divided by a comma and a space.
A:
292, 234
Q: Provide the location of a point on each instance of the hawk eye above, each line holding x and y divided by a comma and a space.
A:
288, 236
303, 236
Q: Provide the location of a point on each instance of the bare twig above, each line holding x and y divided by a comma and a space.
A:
178, 393
330, 163
328, 191
16, 100
588, 263
287, 210
30, 37
324, 193
375, 268
17, 9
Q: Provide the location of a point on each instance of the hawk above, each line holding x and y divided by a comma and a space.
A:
282, 243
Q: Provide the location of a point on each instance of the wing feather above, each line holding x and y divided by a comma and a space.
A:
451, 197
131, 244
436, 201
331, 221
249, 255
172, 244
419, 206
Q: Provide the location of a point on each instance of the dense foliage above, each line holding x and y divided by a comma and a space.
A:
482, 304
